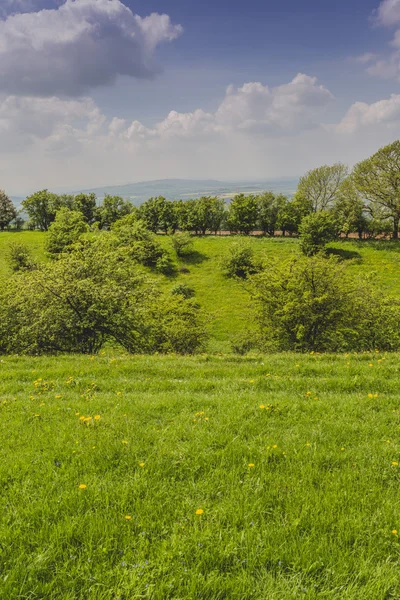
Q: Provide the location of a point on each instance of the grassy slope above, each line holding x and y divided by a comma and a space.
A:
313, 518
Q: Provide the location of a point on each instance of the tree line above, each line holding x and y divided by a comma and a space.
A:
365, 202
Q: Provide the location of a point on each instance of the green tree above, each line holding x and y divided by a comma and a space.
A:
316, 230
7, 210
19, 257
65, 230
270, 206
313, 304
112, 209
378, 180
289, 217
41, 208
239, 261
317, 189
86, 204
243, 214
349, 209
94, 295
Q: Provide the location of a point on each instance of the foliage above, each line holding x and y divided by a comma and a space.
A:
243, 214
112, 209
182, 243
7, 210
318, 188
19, 257
316, 230
159, 214
349, 209
65, 230
269, 207
41, 208
239, 261
378, 180
92, 295
86, 205
184, 290
312, 304
141, 244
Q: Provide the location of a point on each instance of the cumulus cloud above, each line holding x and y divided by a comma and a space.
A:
253, 109
388, 13
387, 65
81, 45
361, 115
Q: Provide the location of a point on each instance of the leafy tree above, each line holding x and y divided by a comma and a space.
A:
112, 209
378, 180
317, 189
312, 304
243, 214
41, 208
86, 204
93, 295
182, 243
289, 217
209, 213
269, 208
65, 230
7, 210
159, 214
316, 230
349, 209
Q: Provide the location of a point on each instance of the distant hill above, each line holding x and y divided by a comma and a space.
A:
183, 189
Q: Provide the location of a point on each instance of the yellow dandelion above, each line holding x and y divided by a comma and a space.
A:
395, 464
199, 511
141, 464
262, 406
394, 531
124, 442
251, 380
275, 446
370, 365
128, 517
206, 418
82, 486
82, 418
97, 418
308, 444
58, 397
370, 395
251, 465
342, 449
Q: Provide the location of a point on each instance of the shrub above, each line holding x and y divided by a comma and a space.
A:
183, 290
239, 261
312, 304
182, 243
243, 343
141, 244
19, 257
316, 230
91, 296
66, 230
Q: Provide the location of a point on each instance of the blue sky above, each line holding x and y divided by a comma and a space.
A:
98, 91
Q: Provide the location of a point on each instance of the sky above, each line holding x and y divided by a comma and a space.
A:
105, 92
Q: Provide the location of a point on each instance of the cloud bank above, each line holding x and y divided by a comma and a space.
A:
79, 46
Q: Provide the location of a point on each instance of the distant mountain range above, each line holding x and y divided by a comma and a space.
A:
183, 189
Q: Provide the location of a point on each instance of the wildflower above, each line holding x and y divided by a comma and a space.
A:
199, 511
370, 365
58, 397
128, 517
97, 418
250, 465
395, 464
275, 446
308, 444
342, 449
394, 531
124, 442
251, 380
81, 418
82, 486
206, 418
262, 406
141, 464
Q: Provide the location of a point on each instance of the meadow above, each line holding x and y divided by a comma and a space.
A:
213, 476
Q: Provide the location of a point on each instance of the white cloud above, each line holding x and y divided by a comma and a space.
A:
79, 46
388, 13
362, 115
253, 109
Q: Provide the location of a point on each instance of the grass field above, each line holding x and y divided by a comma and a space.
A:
293, 461
227, 301
213, 477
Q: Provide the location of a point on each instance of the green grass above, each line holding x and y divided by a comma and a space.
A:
313, 518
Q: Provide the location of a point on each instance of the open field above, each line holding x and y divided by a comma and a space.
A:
299, 498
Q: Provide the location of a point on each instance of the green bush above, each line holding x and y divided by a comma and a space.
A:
65, 231
316, 230
239, 261
183, 290
312, 304
182, 243
93, 295
19, 257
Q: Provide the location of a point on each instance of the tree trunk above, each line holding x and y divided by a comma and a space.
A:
396, 228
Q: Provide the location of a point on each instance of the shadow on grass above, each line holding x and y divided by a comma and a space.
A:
392, 245
344, 254
194, 258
